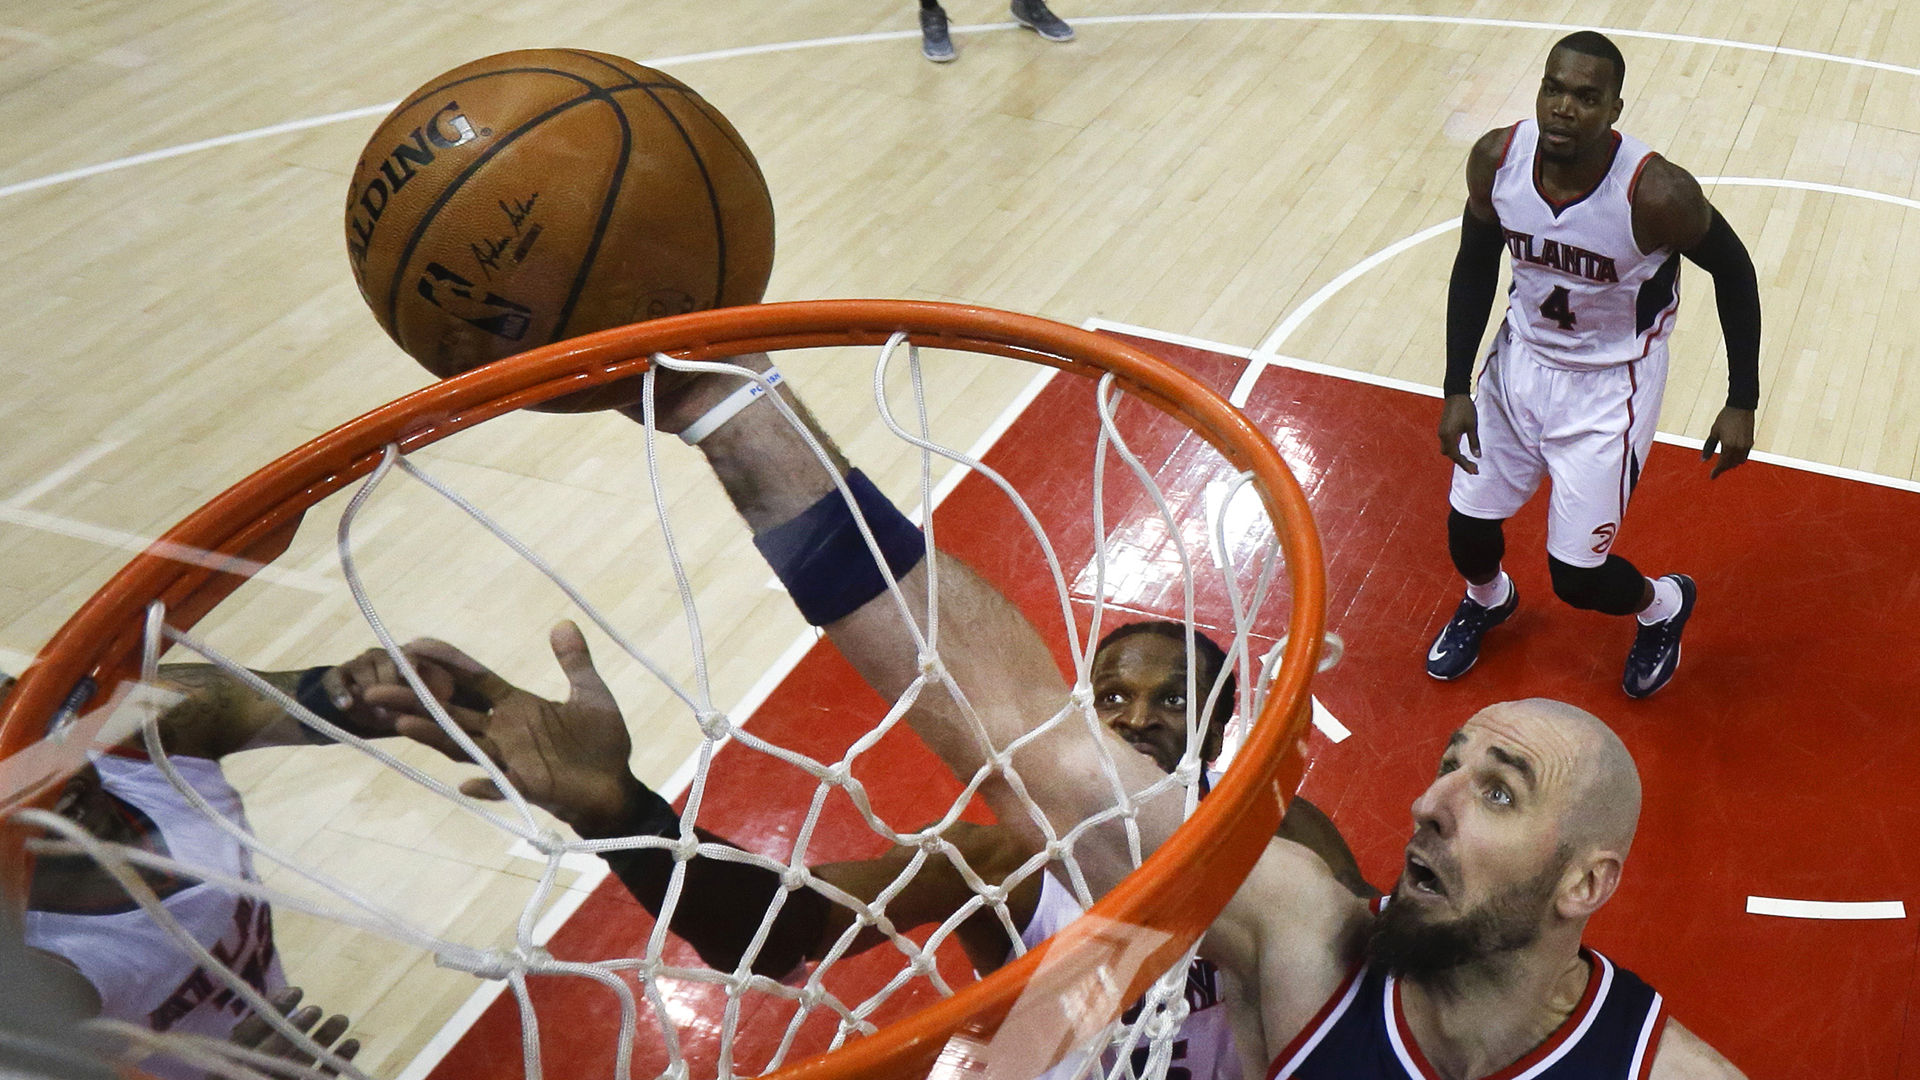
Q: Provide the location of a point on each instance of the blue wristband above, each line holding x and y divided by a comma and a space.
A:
823, 560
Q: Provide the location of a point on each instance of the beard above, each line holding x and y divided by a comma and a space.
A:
1412, 944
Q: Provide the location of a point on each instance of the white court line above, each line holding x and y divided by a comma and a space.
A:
65, 472
1333, 729
1271, 346
977, 28
1270, 359
188, 148
126, 541
1826, 909
570, 898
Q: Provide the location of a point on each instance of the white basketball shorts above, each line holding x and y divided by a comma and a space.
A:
1588, 430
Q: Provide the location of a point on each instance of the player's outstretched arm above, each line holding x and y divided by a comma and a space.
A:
570, 758
1006, 676
1470, 295
937, 891
220, 715
1287, 930
1670, 211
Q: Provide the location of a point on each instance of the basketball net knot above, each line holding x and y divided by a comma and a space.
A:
795, 878
1168, 1019
713, 723
1082, 695
549, 843
494, 963
930, 666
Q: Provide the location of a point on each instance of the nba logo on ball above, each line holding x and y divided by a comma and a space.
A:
538, 195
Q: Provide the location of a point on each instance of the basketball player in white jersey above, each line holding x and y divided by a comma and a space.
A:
92, 939
1139, 685
1595, 224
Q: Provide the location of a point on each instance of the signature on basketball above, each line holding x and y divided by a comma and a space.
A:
514, 246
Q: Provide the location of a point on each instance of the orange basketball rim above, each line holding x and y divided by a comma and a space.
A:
1178, 890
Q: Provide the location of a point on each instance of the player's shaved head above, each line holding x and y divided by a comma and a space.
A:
1602, 800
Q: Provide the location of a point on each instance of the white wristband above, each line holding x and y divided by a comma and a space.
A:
730, 408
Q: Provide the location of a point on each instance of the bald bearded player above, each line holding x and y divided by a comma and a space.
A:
1472, 967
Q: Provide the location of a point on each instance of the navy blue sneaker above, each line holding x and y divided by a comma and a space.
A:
1458, 644
1655, 655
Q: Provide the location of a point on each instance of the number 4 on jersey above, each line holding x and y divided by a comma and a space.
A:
1555, 308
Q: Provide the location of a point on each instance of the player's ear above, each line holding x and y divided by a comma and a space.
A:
1618, 103
1587, 883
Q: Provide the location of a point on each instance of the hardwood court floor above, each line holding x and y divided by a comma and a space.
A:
176, 322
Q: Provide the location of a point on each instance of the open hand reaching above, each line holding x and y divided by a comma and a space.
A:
569, 758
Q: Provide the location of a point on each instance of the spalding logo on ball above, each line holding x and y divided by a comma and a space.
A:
538, 195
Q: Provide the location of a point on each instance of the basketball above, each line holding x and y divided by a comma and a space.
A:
534, 196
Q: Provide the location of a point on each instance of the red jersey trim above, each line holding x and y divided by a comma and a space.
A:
122, 750
1507, 145
1633, 185
1558, 207
1599, 981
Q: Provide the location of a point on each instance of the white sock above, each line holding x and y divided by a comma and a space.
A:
1493, 593
1666, 602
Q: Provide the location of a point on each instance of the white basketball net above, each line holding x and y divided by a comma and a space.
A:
1154, 1026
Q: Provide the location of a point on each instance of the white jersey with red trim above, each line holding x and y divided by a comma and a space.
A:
1203, 1048
1584, 295
143, 977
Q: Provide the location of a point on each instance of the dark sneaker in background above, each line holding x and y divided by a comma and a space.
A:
1458, 644
1655, 655
1033, 15
935, 43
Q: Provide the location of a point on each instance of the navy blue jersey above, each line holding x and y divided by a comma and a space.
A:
1361, 1034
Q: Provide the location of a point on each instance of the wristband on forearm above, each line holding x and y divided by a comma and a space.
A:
730, 407
647, 814
823, 560
311, 692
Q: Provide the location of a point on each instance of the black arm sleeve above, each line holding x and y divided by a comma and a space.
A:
1470, 292
722, 903
1736, 290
